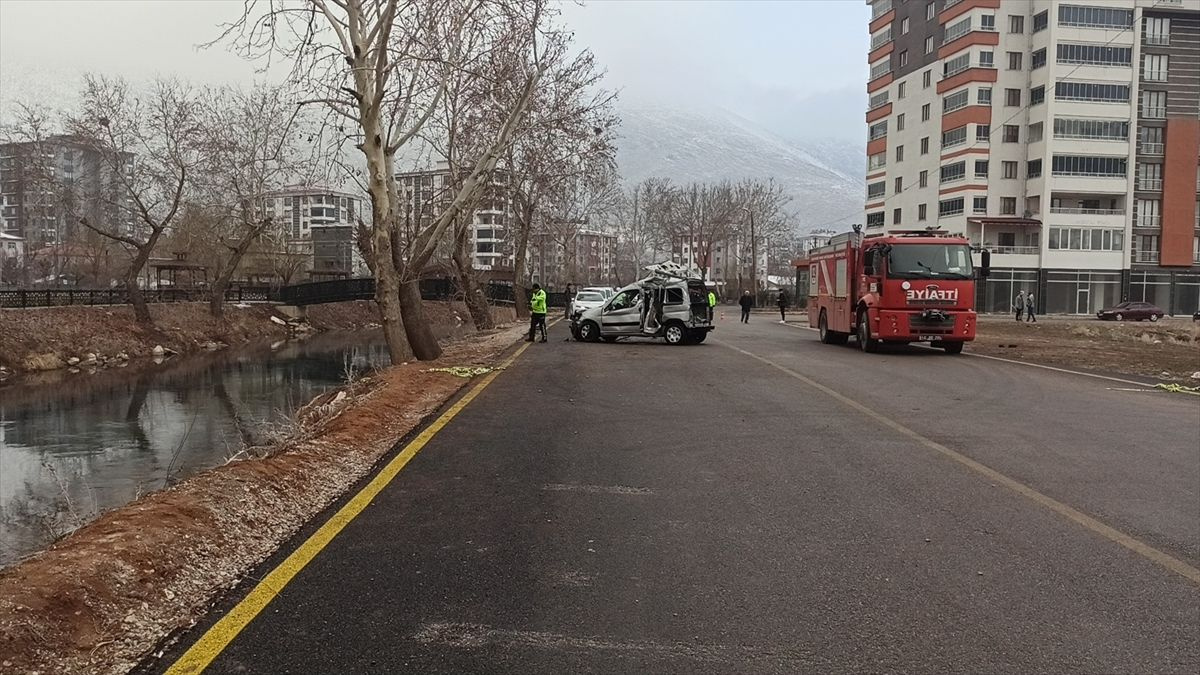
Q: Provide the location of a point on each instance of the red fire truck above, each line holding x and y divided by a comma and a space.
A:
908, 286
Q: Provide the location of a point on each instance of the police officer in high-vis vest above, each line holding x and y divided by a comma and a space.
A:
712, 302
537, 313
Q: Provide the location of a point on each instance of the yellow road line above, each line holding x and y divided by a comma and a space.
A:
215, 639
1145, 550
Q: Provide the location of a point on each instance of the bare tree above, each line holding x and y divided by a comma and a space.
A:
251, 148
707, 217
643, 231
145, 142
382, 67
761, 204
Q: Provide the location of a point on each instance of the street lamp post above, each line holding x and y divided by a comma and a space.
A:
753, 257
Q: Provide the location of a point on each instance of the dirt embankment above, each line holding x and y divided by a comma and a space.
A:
102, 598
1167, 350
49, 338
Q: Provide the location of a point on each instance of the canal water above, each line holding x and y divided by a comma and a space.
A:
75, 445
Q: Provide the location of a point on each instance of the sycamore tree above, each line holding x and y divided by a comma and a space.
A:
380, 69
644, 225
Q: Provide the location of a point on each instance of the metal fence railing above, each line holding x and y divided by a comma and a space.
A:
15, 298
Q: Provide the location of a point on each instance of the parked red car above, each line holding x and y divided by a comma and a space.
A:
1131, 311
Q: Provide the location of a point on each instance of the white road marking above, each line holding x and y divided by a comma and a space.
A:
1026, 363
597, 489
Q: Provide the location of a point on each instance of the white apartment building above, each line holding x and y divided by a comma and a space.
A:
424, 193
1063, 136
586, 257
298, 208
725, 262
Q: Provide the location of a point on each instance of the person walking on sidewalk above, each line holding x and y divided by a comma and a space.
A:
746, 301
537, 313
1030, 306
783, 303
1019, 304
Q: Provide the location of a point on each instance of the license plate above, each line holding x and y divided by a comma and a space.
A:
929, 338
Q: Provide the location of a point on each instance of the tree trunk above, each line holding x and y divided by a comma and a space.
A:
216, 303
520, 288
421, 339
141, 311
477, 306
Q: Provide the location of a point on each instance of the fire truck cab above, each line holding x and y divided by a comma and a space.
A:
908, 286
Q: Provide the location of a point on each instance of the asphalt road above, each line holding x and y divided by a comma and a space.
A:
763, 503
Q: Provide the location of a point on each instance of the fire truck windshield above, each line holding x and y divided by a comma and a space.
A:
929, 261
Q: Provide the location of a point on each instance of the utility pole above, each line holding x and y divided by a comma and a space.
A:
753, 257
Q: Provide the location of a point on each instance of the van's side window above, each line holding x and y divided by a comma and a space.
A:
674, 296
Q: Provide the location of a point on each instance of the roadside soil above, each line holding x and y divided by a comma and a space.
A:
101, 599
40, 339
1167, 350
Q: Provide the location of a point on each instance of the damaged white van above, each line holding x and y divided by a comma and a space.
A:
667, 304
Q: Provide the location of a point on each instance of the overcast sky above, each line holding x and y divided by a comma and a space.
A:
796, 67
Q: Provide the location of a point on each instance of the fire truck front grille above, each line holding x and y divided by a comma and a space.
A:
925, 326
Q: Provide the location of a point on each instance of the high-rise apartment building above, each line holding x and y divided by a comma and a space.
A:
425, 193
299, 208
47, 186
580, 256
1063, 136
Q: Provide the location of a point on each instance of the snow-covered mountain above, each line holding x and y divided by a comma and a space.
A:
824, 179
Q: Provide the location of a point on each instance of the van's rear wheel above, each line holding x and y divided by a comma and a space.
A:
675, 334
699, 336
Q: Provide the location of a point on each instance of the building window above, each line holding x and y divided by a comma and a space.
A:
929, 45
987, 59
925, 146
1040, 21
904, 26
875, 219
981, 168
878, 100
1154, 67
882, 37
987, 22
954, 137
979, 205
895, 216
1157, 31
1035, 133
930, 11
1014, 60
1012, 134
876, 190
950, 207
1154, 104
1094, 55
1094, 17
1149, 213
958, 99
1092, 91
925, 113
1086, 239
877, 161
899, 153
1152, 141
954, 172
878, 130
921, 209
956, 65
1012, 97
957, 30
1008, 206
925, 79
898, 185
900, 122
1037, 95
1016, 24
1010, 169
1149, 176
923, 179
984, 96
901, 90
1078, 165
1033, 168
1038, 59
880, 69
903, 58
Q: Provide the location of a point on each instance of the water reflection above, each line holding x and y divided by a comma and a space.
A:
74, 446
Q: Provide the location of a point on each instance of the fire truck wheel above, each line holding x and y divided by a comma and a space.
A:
829, 337
867, 344
953, 347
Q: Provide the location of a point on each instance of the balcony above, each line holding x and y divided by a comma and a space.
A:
1152, 148
1157, 40
1148, 221
1150, 257
1089, 212
1151, 184
880, 8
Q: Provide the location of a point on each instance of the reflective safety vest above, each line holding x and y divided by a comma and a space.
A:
712, 299
537, 304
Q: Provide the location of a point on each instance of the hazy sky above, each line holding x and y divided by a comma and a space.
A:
796, 67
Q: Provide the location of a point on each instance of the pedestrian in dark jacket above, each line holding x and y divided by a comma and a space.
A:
746, 301
783, 303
